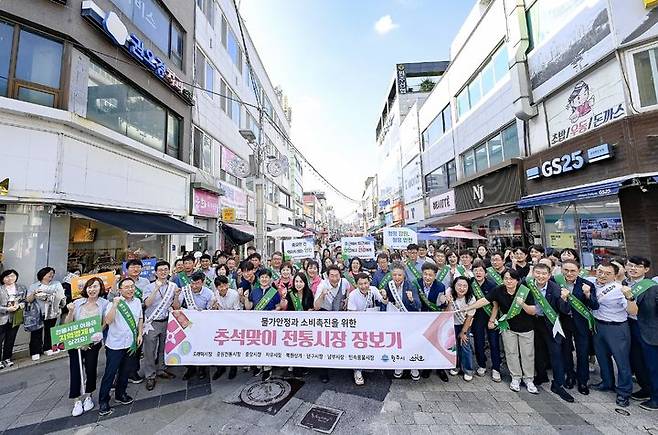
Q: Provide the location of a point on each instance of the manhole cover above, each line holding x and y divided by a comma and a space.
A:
321, 419
266, 393
266, 396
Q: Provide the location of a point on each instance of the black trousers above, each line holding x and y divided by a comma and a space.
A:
638, 364
90, 366
582, 340
40, 339
7, 340
548, 348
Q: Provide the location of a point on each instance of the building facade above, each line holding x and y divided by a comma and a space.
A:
98, 142
524, 144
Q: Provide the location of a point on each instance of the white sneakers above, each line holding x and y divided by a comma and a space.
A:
495, 376
397, 374
77, 409
532, 389
481, 371
88, 404
467, 377
515, 385
36, 357
8, 363
415, 375
454, 372
358, 377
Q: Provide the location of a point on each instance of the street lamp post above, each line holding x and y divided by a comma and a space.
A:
259, 180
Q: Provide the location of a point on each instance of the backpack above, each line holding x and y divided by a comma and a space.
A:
32, 317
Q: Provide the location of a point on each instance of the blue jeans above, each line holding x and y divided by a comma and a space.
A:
651, 355
116, 361
464, 352
480, 333
614, 341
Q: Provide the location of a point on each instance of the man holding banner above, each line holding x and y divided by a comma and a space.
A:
402, 296
364, 298
124, 336
196, 296
159, 297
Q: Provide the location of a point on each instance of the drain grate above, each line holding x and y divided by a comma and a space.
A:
321, 419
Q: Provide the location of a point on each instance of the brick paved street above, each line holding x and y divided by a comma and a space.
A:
34, 399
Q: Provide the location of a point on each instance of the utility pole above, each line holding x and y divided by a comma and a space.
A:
259, 180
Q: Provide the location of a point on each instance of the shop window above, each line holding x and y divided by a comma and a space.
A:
547, 16
646, 75
503, 146
153, 20
436, 180
437, 128
123, 108
493, 71
208, 9
481, 158
452, 172
28, 80
469, 163
231, 43
202, 150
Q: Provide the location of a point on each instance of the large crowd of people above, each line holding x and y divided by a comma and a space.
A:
546, 310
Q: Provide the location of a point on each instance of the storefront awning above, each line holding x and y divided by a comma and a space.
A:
582, 193
238, 234
466, 217
138, 223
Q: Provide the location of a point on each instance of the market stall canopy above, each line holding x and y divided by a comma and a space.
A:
427, 233
137, 223
285, 233
459, 232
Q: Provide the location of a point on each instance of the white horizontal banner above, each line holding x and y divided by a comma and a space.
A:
340, 339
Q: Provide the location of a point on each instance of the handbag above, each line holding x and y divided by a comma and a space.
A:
32, 318
18, 318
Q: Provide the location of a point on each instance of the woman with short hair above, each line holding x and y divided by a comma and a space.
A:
12, 303
50, 297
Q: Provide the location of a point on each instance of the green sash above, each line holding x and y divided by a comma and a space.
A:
348, 276
642, 286
548, 310
515, 309
583, 273
138, 292
184, 279
576, 303
493, 274
462, 270
443, 273
421, 293
267, 297
275, 275
384, 283
208, 282
479, 294
296, 301
127, 315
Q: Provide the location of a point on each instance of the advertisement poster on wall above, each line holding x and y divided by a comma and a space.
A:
412, 179
583, 37
592, 102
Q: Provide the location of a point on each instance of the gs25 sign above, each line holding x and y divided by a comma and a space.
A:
560, 165
570, 162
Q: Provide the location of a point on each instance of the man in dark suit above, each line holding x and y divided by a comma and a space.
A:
547, 345
576, 328
433, 290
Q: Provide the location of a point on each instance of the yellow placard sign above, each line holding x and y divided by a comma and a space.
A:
4, 187
228, 214
650, 3
77, 283
562, 240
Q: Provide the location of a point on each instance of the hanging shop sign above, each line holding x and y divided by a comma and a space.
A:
414, 212
570, 162
205, 203
110, 24
402, 79
412, 180
492, 189
441, 204
228, 214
